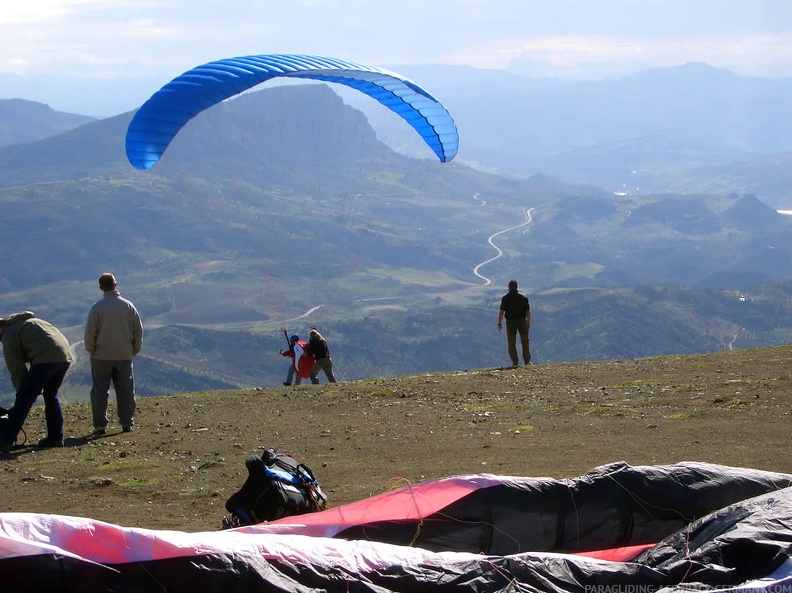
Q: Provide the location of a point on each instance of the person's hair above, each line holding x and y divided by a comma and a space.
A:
107, 281
316, 334
3, 322
512, 284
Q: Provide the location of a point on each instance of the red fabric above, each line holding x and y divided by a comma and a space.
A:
303, 363
410, 502
624, 554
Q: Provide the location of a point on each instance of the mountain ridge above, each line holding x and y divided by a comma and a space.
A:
26, 121
679, 128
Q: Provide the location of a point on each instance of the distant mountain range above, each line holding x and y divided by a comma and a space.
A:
685, 129
25, 121
281, 210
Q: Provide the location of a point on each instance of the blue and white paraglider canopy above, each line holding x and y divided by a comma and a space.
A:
165, 113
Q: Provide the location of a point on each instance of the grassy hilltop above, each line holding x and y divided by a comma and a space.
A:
361, 438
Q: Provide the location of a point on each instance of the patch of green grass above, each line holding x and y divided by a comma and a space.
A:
138, 481
413, 276
186, 489
523, 427
598, 409
566, 270
478, 407
381, 393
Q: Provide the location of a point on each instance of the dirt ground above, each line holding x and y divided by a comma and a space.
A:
361, 438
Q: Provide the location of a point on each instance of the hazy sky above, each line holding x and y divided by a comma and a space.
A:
592, 39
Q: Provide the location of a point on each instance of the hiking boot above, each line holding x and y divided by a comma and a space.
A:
98, 432
126, 429
50, 442
6, 448
287, 384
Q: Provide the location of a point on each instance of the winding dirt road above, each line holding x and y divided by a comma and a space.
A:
526, 221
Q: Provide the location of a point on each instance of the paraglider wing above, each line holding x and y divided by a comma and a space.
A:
161, 117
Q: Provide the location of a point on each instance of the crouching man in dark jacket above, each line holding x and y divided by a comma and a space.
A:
37, 356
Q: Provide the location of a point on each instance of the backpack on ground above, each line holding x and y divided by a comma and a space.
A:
277, 486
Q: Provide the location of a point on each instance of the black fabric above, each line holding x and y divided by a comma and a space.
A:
616, 505
515, 306
318, 348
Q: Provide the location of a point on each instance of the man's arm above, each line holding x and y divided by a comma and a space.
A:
137, 332
15, 361
91, 329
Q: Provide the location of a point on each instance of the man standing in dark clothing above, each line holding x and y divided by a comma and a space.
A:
517, 310
317, 347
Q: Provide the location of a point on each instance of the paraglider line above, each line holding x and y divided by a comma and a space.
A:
687, 554
645, 505
505, 576
396, 484
577, 515
406, 484
490, 525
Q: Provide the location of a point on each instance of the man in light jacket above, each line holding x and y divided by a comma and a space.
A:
37, 356
113, 337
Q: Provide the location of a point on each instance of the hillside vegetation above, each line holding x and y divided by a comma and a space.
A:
281, 210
